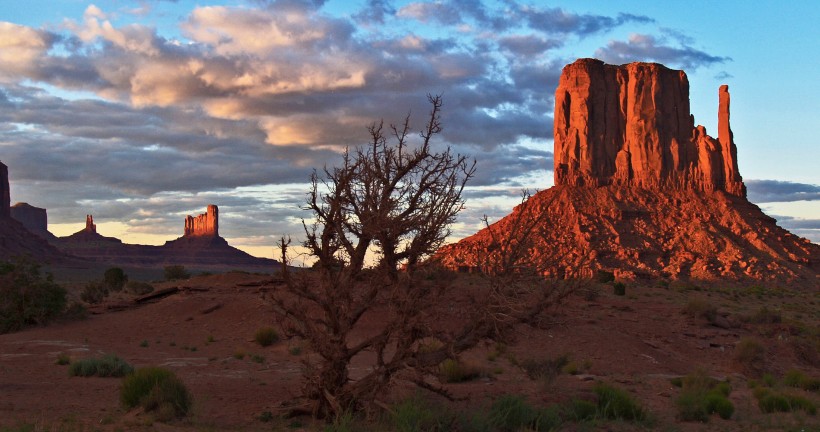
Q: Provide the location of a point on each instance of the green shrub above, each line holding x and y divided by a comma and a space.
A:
175, 272
701, 396
108, 365
617, 404
94, 292
545, 369
415, 414
770, 401
456, 371
750, 356
158, 390
796, 378
63, 359
699, 308
581, 410
139, 288
720, 404
511, 413
619, 288
266, 336
26, 297
114, 279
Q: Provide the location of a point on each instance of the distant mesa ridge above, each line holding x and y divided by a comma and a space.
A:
5, 195
631, 125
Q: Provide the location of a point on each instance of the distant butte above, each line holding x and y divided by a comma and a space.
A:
642, 192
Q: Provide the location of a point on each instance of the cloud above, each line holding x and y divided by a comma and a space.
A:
765, 191
806, 228
645, 47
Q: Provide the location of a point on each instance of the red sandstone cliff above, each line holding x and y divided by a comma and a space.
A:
642, 192
206, 224
631, 125
35, 219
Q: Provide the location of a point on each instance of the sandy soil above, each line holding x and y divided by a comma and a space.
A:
205, 334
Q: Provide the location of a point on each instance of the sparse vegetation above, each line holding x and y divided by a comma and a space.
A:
156, 390
94, 292
702, 396
700, 308
138, 288
617, 404
796, 378
544, 370
108, 365
750, 356
27, 297
63, 359
619, 288
266, 336
456, 371
176, 272
769, 401
114, 279
512, 413
415, 414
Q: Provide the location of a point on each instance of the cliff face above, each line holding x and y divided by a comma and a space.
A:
206, 224
631, 125
5, 195
35, 219
641, 191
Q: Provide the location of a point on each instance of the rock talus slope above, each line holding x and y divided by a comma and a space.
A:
643, 192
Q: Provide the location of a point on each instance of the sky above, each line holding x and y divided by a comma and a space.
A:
141, 112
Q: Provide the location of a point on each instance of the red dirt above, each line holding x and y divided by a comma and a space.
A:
636, 341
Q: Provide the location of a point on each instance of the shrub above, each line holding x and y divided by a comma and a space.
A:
765, 316
750, 356
581, 410
156, 389
63, 359
114, 279
699, 308
175, 272
415, 414
546, 369
604, 276
702, 396
266, 336
796, 378
619, 288
94, 292
26, 297
512, 413
617, 404
720, 404
107, 366
139, 288
770, 401
456, 371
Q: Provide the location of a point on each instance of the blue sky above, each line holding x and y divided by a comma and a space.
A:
141, 112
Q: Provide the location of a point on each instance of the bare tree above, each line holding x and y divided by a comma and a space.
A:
397, 200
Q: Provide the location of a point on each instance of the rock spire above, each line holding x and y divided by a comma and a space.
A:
631, 125
90, 226
5, 195
206, 224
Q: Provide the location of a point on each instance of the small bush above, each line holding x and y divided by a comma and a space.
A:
619, 288
139, 288
617, 404
699, 308
603, 276
175, 272
27, 297
720, 404
415, 414
511, 413
796, 378
156, 389
63, 359
456, 371
114, 279
107, 366
581, 410
770, 401
750, 356
94, 292
702, 396
266, 336
546, 369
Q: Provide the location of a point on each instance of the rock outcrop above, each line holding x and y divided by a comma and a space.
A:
90, 226
35, 219
206, 224
5, 194
631, 125
641, 192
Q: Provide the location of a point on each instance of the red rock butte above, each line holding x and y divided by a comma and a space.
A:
5, 195
631, 125
641, 192
205, 225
